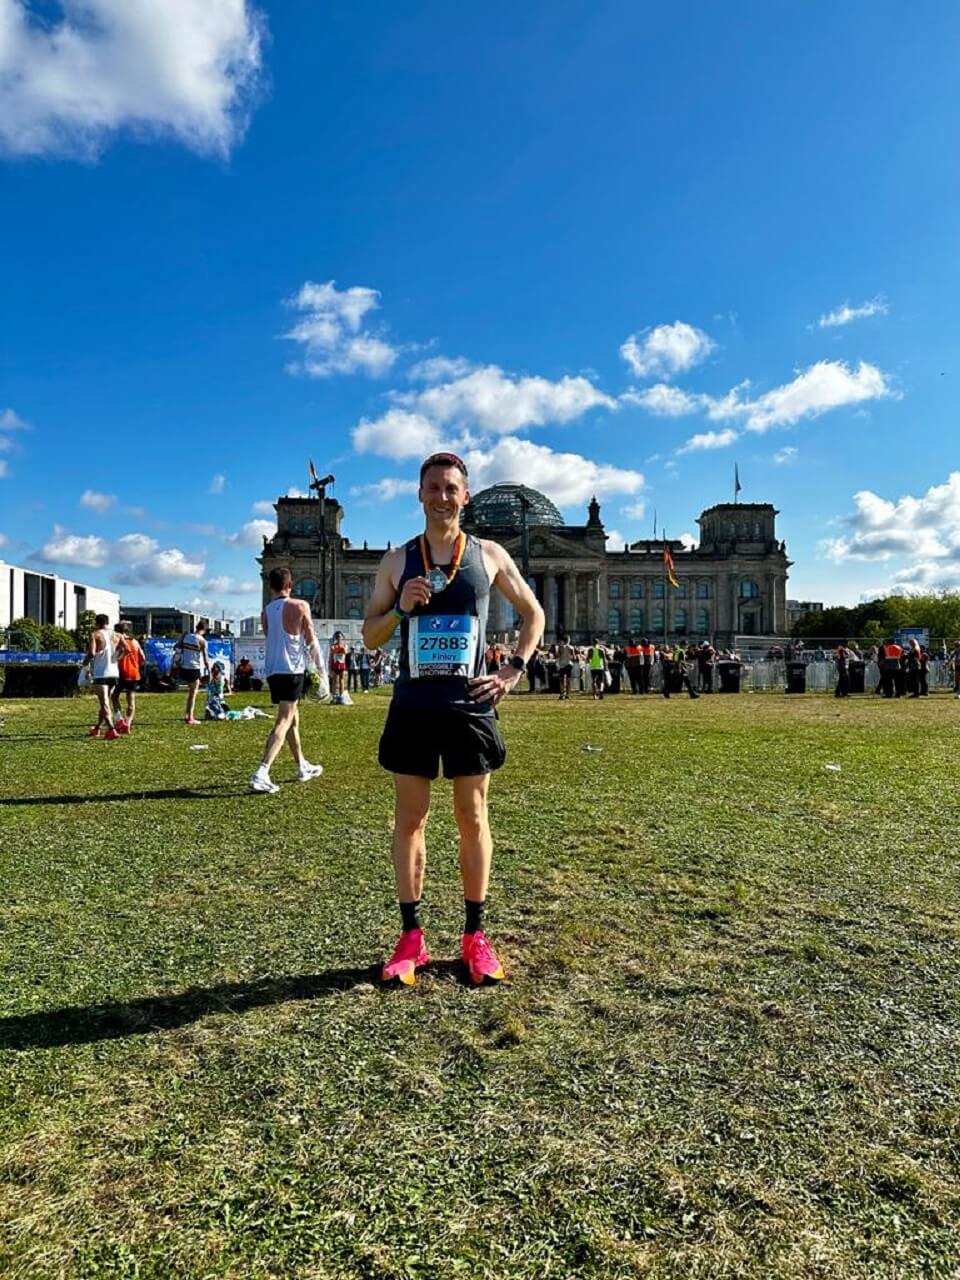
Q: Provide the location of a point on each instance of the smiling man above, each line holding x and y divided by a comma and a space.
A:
437, 588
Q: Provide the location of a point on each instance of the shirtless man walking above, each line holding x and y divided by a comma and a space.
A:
289, 637
437, 587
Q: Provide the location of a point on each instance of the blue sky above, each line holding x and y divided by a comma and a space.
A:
611, 247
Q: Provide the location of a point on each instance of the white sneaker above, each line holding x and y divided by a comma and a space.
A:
261, 782
346, 701
308, 771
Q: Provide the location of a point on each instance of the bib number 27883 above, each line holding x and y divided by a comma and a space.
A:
443, 644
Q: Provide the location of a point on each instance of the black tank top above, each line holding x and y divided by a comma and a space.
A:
467, 596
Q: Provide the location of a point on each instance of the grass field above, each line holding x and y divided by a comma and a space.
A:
729, 1044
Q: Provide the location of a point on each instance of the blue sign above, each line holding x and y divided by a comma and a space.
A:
905, 634
39, 658
159, 653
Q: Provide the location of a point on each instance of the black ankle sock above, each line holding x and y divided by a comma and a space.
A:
410, 914
474, 914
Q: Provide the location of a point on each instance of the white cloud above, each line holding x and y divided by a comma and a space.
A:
3, 539
224, 584
293, 492
567, 478
139, 555
494, 401
437, 368
826, 385
666, 350
99, 502
616, 541
634, 510
186, 69
688, 540
710, 440
330, 334
846, 314
925, 528
398, 434
262, 508
4, 469
10, 421
664, 401
786, 454
217, 484
252, 534
385, 490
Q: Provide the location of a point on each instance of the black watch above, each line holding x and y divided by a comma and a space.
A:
518, 663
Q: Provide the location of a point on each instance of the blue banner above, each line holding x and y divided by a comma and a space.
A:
159, 653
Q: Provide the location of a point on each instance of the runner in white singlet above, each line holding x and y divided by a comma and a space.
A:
102, 660
290, 638
191, 660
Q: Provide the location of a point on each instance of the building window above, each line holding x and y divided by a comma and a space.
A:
681, 590
306, 589
680, 621
353, 612
658, 590
656, 621
703, 590
636, 589
353, 588
636, 620
703, 622
613, 589
613, 621
749, 590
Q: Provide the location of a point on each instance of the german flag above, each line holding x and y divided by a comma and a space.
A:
668, 565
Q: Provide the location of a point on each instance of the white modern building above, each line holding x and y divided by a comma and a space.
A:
47, 598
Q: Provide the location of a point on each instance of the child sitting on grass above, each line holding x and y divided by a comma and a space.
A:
217, 687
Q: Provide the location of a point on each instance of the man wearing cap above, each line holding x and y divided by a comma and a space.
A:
443, 711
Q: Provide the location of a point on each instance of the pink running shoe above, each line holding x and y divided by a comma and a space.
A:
483, 963
409, 955
111, 735
190, 720
121, 725
94, 732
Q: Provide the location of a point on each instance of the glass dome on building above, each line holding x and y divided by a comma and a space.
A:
500, 507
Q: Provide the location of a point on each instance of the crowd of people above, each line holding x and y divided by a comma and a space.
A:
595, 669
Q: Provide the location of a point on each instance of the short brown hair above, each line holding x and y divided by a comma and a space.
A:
442, 460
101, 620
280, 579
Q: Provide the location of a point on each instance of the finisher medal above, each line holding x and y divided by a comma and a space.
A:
439, 579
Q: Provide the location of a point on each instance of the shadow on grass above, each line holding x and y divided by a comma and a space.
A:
164, 793
85, 1024
82, 1024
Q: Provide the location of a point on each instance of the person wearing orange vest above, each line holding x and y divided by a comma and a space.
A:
889, 656
648, 653
130, 660
634, 663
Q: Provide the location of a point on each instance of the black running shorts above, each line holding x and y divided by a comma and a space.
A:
127, 686
285, 688
187, 674
416, 740
107, 681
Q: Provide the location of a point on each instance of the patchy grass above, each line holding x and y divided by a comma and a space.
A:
728, 1047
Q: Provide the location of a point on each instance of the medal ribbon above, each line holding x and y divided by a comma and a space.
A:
428, 564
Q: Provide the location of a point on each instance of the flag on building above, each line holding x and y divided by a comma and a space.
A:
737, 486
668, 565
314, 478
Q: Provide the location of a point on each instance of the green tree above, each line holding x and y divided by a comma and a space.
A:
23, 633
56, 639
84, 627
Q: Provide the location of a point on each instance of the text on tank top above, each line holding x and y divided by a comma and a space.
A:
284, 654
442, 645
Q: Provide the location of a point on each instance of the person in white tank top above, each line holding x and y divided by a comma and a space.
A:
290, 639
102, 660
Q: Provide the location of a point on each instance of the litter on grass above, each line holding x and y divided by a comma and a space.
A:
587, 747
200, 746
834, 768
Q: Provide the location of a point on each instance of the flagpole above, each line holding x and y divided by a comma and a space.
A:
664, 557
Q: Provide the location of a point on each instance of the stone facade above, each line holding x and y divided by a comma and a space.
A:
732, 583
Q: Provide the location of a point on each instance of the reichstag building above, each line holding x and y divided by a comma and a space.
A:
733, 583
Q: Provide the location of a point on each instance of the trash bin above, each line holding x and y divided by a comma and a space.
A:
796, 677
858, 670
729, 673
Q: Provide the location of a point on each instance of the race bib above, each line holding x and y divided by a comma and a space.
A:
443, 644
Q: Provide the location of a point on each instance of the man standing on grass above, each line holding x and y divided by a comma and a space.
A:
443, 709
288, 638
190, 658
